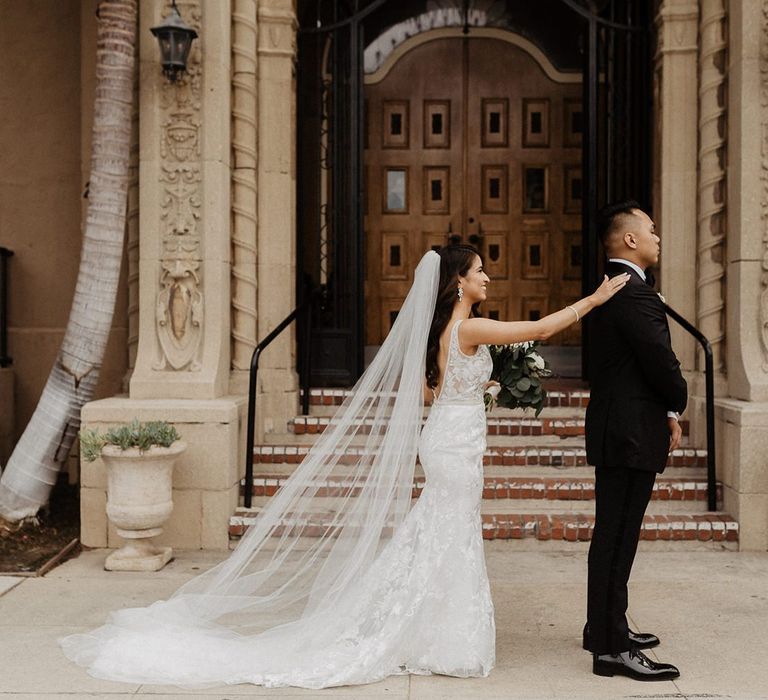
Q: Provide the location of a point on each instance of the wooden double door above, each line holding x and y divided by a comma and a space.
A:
473, 138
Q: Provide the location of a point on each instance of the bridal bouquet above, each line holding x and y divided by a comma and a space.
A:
517, 372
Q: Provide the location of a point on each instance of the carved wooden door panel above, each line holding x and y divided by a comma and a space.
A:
413, 163
473, 137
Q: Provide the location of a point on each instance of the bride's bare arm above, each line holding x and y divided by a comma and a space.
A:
485, 331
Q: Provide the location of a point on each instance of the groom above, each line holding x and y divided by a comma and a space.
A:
637, 394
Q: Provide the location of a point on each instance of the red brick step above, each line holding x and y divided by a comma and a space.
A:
558, 456
502, 487
567, 527
717, 527
561, 427
560, 397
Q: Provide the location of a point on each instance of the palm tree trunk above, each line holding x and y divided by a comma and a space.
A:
44, 447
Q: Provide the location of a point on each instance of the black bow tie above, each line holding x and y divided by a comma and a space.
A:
650, 280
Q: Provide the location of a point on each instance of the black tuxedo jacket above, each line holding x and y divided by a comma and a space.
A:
635, 379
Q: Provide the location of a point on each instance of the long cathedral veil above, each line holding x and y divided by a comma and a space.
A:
311, 542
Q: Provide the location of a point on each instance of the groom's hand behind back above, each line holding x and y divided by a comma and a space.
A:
675, 434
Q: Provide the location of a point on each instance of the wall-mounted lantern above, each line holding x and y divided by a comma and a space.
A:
175, 38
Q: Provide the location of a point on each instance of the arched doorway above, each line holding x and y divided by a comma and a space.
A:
474, 138
528, 196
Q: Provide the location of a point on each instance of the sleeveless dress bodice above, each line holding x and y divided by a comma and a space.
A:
465, 375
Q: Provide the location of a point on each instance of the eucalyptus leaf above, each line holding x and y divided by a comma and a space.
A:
524, 384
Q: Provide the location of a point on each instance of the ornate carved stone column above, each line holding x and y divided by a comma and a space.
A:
711, 207
676, 152
184, 219
710, 313
244, 191
185, 181
742, 420
278, 384
132, 234
747, 246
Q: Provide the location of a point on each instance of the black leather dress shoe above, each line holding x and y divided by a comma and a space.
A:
639, 640
633, 664
643, 640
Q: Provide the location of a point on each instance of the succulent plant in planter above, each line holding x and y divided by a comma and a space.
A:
135, 434
139, 458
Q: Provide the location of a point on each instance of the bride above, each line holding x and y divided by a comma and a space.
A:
341, 580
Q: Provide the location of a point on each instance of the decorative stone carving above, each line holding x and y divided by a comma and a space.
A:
676, 27
710, 311
180, 205
132, 229
179, 305
180, 138
277, 33
244, 196
764, 177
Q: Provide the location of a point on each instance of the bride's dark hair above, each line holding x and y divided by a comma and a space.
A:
455, 260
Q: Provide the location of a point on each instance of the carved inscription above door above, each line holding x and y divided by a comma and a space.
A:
471, 138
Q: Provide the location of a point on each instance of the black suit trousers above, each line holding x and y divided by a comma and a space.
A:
621, 497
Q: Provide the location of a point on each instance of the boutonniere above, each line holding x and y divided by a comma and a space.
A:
661, 296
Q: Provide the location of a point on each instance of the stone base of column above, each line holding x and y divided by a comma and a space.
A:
742, 443
206, 479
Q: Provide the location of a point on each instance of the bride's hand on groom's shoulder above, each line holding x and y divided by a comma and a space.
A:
609, 287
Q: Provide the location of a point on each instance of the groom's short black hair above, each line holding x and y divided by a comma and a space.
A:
612, 218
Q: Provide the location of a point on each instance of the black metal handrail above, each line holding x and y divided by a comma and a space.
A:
306, 307
5, 359
709, 371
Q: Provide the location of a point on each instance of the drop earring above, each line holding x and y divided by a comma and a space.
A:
460, 293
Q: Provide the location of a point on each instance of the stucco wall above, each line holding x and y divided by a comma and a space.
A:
43, 171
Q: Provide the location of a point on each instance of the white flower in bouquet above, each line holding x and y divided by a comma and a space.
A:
493, 389
538, 360
490, 395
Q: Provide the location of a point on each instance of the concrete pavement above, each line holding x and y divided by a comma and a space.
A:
709, 607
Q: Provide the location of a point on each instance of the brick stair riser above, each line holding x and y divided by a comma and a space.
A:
550, 489
305, 440
554, 399
515, 457
496, 426
579, 528
497, 413
576, 527
524, 505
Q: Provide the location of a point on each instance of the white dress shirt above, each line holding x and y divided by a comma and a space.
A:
641, 272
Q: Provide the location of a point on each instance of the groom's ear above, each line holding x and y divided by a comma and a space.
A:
630, 240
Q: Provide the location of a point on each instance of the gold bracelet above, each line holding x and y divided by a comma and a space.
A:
578, 318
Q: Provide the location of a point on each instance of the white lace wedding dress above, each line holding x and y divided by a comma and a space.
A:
423, 606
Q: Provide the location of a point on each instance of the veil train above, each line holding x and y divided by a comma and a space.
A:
276, 597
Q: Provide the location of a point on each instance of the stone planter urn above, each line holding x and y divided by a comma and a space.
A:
139, 501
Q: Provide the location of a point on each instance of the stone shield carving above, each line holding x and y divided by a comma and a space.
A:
179, 312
